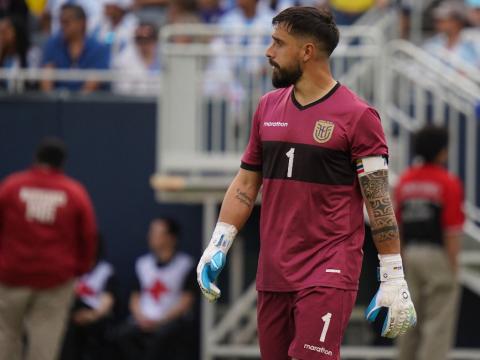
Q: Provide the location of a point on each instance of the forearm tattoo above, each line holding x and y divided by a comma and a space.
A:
244, 198
382, 218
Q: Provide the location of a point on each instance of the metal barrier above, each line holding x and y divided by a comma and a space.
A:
16, 81
418, 89
214, 82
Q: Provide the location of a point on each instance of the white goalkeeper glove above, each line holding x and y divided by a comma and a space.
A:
214, 259
392, 294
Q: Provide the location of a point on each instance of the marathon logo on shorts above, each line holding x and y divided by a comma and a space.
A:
318, 349
275, 124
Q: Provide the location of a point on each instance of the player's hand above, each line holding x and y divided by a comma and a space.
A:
214, 259
392, 294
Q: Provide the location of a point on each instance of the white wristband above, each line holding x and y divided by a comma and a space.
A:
223, 236
391, 267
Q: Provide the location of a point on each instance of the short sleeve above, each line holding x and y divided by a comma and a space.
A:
367, 136
453, 216
252, 157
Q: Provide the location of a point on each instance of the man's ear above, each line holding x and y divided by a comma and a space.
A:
308, 51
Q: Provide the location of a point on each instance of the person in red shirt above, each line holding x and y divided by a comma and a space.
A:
318, 151
429, 211
47, 238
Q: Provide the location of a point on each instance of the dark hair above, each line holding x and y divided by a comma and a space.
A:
22, 40
77, 10
52, 152
172, 226
430, 141
310, 21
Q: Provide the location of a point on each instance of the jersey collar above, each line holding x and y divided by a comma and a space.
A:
323, 98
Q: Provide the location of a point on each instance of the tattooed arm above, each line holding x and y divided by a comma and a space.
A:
384, 227
240, 198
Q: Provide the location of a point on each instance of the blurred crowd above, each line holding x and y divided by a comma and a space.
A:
123, 34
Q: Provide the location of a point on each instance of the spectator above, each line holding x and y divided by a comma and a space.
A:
450, 45
14, 43
93, 10
222, 76
162, 302
152, 11
138, 63
92, 312
429, 208
47, 238
210, 11
73, 49
119, 26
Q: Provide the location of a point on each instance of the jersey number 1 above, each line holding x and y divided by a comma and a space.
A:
291, 155
326, 323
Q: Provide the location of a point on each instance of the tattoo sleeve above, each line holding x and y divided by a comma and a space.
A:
243, 198
380, 210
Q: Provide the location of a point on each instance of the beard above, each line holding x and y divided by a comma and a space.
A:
284, 77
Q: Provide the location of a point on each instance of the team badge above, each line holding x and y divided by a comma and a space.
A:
323, 131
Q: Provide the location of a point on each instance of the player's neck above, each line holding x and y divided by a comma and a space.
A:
311, 88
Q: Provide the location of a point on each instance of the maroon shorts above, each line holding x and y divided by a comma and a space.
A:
306, 324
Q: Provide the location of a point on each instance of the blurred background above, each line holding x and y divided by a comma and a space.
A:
153, 100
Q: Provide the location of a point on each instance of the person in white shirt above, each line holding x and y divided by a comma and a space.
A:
138, 63
162, 301
248, 26
450, 44
118, 25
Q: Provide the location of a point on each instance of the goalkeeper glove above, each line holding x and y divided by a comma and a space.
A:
392, 294
214, 259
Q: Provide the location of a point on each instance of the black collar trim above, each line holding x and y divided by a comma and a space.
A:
323, 98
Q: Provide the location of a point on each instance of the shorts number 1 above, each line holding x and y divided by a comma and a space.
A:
291, 155
326, 323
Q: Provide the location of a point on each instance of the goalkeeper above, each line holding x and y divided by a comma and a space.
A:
319, 152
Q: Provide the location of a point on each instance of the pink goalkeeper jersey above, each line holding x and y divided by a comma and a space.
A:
311, 226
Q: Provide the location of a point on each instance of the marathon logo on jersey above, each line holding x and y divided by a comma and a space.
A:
323, 131
41, 204
275, 124
318, 349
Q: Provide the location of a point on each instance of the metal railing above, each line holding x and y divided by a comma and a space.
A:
419, 89
17, 81
215, 82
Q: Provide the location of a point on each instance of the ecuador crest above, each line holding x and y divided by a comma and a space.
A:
323, 131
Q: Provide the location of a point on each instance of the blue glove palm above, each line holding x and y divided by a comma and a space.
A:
209, 272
